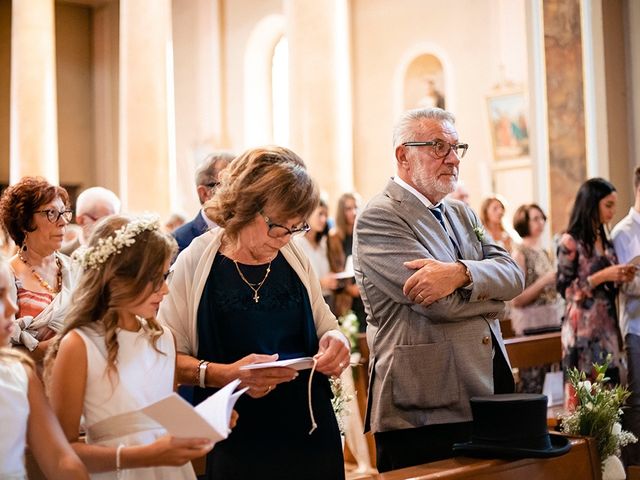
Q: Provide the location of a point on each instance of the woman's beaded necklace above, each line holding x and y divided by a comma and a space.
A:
41, 280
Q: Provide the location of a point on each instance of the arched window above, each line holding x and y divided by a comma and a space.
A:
280, 92
265, 72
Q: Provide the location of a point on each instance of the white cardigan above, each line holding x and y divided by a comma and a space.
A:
179, 309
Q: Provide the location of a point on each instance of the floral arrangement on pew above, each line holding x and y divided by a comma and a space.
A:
598, 413
341, 396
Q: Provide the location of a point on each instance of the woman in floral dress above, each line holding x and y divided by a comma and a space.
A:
588, 279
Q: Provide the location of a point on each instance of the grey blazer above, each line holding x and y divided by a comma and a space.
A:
426, 363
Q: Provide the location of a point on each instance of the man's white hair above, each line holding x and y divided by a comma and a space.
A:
403, 130
93, 196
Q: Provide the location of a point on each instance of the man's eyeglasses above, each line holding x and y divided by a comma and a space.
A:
279, 231
440, 148
212, 185
54, 215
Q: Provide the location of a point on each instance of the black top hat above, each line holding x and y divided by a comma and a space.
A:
513, 426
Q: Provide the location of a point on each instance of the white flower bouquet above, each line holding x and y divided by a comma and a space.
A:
598, 412
349, 325
341, 395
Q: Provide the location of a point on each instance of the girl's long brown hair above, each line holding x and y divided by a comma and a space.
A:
122, 280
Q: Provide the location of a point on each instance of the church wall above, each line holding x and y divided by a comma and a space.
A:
472, 48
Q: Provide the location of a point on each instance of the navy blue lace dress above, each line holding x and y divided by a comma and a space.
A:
271, 439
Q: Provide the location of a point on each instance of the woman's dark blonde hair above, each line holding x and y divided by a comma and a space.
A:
120, 281
266, 177
484, 209
342, 228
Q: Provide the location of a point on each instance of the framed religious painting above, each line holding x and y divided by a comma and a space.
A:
509, 125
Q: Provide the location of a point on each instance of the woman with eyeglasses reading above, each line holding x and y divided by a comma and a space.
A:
243, 294
36, 215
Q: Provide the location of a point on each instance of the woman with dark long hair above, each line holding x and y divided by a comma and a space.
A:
588, 279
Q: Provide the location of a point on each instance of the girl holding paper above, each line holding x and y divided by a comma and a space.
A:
112, 358
244, 293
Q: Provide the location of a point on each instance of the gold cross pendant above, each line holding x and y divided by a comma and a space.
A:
256, 297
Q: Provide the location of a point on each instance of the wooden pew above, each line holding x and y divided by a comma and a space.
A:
534, 350
633, 473
506, 328
581, 462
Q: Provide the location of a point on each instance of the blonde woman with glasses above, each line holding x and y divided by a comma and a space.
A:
245, 293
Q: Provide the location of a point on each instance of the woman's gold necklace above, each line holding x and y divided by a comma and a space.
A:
38, 277
253, 286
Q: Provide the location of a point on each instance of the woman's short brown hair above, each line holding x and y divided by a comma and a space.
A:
522, 216
273, 177
20, 201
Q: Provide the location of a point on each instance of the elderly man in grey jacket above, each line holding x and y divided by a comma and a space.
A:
434, 285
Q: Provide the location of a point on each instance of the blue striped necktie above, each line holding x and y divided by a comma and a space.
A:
437, 212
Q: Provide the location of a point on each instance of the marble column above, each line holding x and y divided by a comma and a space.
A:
199, 94
565, 106
33, 104
146, 125
320, 90
105, 94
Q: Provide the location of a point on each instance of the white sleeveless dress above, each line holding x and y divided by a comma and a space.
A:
144, 377
14, 414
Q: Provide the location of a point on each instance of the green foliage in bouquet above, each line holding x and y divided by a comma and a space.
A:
341, 396
598, 412
340, 401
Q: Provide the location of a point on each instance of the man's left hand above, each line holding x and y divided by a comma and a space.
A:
433, 280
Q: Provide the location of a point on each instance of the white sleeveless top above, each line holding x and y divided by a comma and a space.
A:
14, 414
144, 376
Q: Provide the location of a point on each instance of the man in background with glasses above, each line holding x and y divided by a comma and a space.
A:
206, 183
434, 286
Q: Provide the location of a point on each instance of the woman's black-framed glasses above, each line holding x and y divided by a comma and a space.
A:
440, 148
279, 231
54, 215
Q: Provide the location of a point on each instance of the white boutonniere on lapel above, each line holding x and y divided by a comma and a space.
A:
479, 231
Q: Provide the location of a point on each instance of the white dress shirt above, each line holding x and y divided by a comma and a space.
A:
626, 241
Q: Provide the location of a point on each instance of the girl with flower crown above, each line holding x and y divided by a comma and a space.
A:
112, 358
24, 411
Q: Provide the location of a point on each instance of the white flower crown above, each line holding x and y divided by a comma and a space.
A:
125, 236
